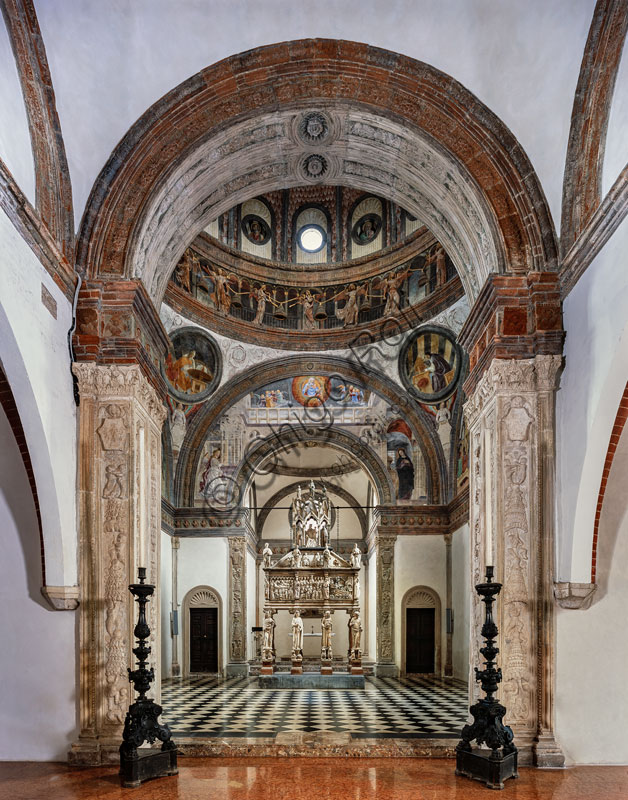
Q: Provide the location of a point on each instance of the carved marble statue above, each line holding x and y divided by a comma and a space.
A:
297, 635
267, 555
327, 557
296, 557
355, 635
311, 518
326, 626
356, 557
268, 642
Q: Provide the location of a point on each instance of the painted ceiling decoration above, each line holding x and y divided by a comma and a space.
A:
328, 315
351, 224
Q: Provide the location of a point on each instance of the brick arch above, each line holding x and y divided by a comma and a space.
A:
288, 367
487, 188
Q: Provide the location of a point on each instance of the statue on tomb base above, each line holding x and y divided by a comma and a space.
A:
297, 635
326, 625
355, 636
267, 555
296, 557
356, 557
268, 642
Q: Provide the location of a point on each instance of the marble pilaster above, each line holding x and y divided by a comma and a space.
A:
385, 592
237, 606
119, 489
511, 427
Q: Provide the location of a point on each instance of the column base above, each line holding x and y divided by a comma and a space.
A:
386, 671
547, 752
236, 670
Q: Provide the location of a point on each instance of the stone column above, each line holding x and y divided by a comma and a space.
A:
511, 426
237, 607
176, 667
449, 651
385, 604
119, 488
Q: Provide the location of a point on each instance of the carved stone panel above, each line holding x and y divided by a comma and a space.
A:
511, 422
119, 523
237, 599
385, 620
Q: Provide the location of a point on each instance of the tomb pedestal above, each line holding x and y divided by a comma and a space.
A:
326, 668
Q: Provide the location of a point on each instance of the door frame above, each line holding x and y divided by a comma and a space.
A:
423, 597
200, 597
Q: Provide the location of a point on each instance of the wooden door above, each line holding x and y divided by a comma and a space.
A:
420, 642
203, 640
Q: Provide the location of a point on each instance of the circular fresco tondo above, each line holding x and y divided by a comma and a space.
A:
429, 364
366, 229
192, 368
256, 229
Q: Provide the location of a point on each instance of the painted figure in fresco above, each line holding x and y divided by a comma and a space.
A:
256, 232
390, 285
261, 295
367, 231
221, 295
213, 477
441, 266
178, 425
405, 473
438, 367
311, 388
307, 301
178, 371
183, 271
349, 314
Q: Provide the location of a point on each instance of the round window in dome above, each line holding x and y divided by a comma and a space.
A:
312, 238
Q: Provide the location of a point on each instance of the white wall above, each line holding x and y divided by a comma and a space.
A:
419, 561
38, 653
15, 140
166, 604
109, 63
35, 357
203, 562
592, 645
461, 601
595, 316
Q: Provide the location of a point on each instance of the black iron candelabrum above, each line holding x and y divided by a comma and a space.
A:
499, 762
141, 723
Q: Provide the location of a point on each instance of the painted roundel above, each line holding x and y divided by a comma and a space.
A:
193, 367
366, 229
429, 364
310, 390
256, 229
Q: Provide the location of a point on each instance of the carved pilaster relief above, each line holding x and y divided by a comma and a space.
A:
119, 499
511, 421
385, 554
237, 599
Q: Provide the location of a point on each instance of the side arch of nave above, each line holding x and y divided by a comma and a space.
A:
417, 418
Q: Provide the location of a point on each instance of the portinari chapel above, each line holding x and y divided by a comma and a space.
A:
311, 312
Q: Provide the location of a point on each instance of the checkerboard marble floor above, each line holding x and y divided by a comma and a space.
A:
412, 707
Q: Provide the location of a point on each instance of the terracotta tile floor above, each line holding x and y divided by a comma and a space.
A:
314, 779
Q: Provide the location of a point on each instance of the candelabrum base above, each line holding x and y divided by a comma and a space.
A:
147, 765
479, 765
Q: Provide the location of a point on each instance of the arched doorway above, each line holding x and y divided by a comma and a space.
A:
421, 632
202, 631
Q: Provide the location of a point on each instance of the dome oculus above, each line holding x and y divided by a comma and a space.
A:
311, 238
